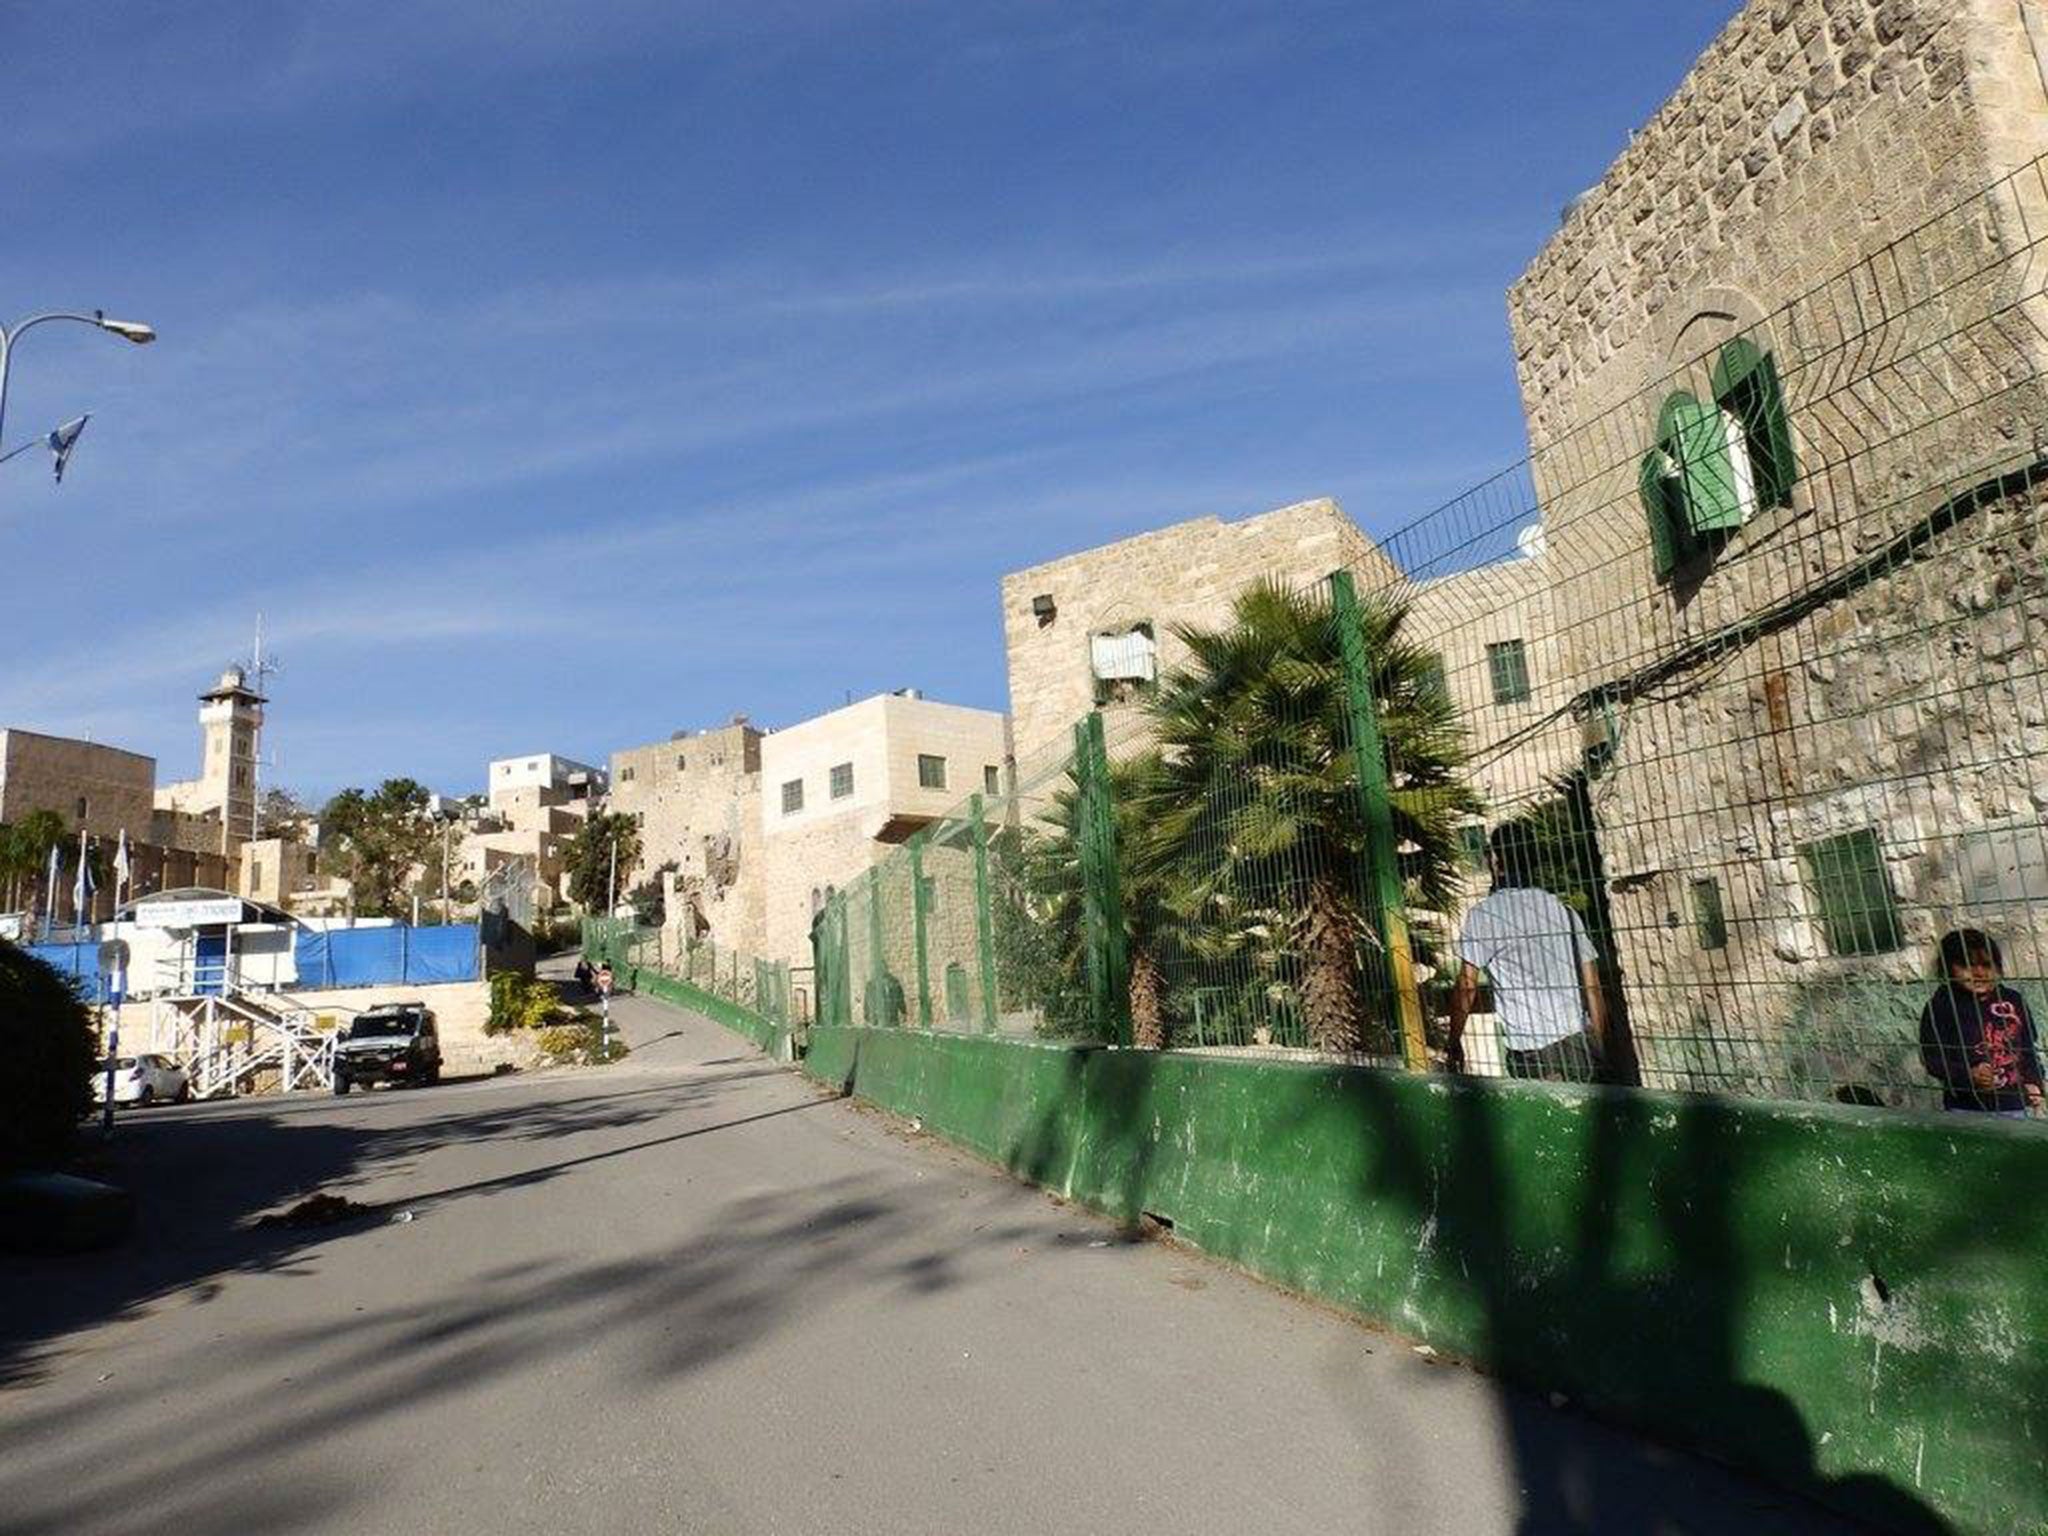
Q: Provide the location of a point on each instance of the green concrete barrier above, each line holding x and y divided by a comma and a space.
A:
770, 1036
1851, 1302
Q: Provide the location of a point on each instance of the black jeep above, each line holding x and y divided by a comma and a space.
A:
392, 1043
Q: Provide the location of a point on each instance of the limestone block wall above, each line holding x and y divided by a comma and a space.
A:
54, 773
696, 798
1184, 574
1848, 185
823, 854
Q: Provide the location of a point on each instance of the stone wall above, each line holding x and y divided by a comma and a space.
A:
697, 800
1846, 185
56, 773
1184, 574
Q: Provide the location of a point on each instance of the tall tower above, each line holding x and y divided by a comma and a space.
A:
230, 719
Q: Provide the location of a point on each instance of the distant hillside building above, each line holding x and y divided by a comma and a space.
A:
697, 801
840, 790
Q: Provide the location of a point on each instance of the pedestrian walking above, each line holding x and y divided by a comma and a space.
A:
1542, 964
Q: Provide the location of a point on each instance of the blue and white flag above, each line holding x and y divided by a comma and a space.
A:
82, 887
50, 890
63, 440
124, 871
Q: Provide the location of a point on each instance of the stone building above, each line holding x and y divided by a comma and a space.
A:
697, 800
1782, 368
230, 724
841, 790
94, 788
1094, 629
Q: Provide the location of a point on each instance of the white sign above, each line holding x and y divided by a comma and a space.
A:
187, 914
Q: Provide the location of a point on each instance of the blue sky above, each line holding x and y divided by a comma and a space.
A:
554, 377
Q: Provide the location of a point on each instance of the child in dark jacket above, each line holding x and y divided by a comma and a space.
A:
1976, 1036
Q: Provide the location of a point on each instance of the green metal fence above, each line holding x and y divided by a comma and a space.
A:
762, 986
1693, 735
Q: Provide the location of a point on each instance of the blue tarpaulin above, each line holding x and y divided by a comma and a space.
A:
80, 960
386, 956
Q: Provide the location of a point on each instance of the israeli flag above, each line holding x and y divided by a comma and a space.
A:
83, 886
64, 439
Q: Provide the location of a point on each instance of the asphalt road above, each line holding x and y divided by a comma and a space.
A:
689, 1294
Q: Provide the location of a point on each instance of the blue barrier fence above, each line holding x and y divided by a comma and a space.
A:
79, 961
389, 956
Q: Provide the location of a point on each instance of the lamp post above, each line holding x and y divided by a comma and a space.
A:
128, 330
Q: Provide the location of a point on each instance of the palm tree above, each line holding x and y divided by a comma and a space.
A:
1255, 804
1044, 878
25, 852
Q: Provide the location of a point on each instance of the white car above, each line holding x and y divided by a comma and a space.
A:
144, 1080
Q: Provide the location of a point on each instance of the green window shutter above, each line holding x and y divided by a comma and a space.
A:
1709, 920
1858, 914
1746, 382
1696, 437
1663, 510
1508, 664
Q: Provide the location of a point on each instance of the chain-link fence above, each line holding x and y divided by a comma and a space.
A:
1671, 756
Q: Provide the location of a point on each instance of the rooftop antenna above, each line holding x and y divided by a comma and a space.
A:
256, 671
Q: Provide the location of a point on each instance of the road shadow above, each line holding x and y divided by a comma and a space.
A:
757, 1263
201, 1177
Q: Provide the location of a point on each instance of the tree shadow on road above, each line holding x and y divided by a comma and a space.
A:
200, 1178
759, 1262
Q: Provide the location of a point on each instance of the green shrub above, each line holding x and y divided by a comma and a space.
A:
579, 1043
49, 1044
520, 1002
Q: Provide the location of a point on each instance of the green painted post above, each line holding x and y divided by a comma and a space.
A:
1102, 906
920, 911
876, 1002
1370, 756
984, 926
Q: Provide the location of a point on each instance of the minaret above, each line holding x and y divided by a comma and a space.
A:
230, 717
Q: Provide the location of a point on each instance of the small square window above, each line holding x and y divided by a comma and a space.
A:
81, 807
1709, 921
1858, 913
992, 779
928, 895
681, 762
842, 780
625, 775
792, 797
1508, 664
931, 771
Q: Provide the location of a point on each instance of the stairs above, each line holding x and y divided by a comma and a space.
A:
236, 1041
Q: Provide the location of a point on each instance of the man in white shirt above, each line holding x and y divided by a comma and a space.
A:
1543, 966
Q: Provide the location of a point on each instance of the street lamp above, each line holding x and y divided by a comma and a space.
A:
128, 330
